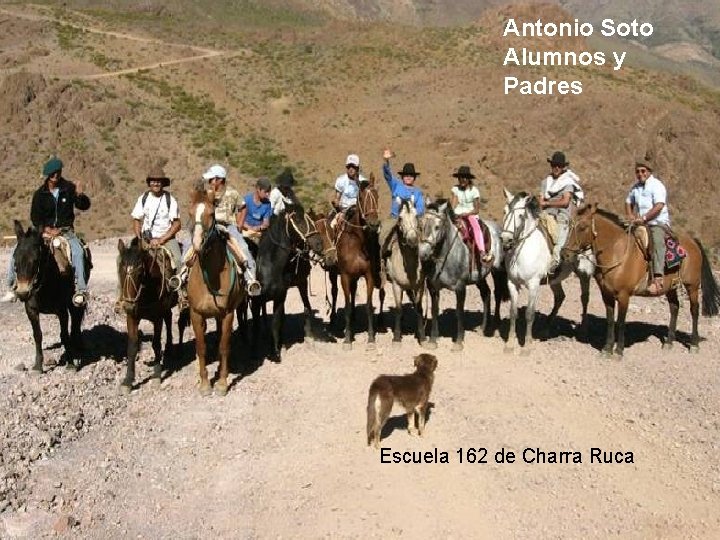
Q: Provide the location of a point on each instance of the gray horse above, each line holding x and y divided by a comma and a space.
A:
447, 261
404, 270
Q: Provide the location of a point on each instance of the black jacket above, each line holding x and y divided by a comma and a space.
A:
47, 212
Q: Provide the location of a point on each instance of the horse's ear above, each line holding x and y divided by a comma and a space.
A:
210, 196
312, 215
533, 205
412, 200
121, 246
19, 231
508, 195
371, 180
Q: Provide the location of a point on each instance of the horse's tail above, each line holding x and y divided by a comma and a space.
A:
500, 278
710, 288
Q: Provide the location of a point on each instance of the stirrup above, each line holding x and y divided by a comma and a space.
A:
175, 283
656, 288
79, 299
254, 288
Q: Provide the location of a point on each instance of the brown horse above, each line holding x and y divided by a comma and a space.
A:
144, 295
622, 272
215, 288
358, 255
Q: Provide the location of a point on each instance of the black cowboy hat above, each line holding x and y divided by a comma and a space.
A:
464, 172
558, 158
408, 170
157, 173
285, 179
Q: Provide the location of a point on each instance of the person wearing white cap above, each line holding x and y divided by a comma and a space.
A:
347, 187
228, 207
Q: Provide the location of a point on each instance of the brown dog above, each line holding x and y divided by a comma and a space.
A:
412, 391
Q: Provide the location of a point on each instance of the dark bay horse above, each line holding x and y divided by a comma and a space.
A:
358, 255
283, 261
145, 295
215, 288
447, 261
621, 272
45, 286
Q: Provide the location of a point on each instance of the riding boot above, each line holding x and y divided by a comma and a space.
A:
252, 286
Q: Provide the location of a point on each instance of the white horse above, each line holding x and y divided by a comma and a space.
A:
527, 258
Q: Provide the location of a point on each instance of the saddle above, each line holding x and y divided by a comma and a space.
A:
62, 244
674, 251
466, 233
548, 226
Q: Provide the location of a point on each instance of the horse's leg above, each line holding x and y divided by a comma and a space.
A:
307, 308
76, 317
485, 296
333, 294
533, 294
65, 338
584, 300
609, 300
347, 293
132, 352
623, 300
460, 315
558, 299
381, 319
353, 295
157, 349
419, 315
199, 325
397, 330
277, 326
256, 305
183, 320
169, 347
512, 331
370, 286
34, 317
434, 316
674, 304
221, 386
695, 312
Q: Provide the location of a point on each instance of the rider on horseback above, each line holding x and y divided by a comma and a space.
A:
646, 204
400, 190
466, 202
282, 194
560, 193
52, 213
347, 188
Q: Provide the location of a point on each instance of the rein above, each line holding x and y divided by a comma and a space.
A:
596, 249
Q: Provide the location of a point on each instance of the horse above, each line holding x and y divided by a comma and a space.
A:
527, 257
622, 273
145, 295
404, 269
447, 259
215, 288
283, 261
358, 255
45, 284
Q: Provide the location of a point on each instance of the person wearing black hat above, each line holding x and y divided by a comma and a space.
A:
465, 201
560, 193
52, 212
402, 187
646, 204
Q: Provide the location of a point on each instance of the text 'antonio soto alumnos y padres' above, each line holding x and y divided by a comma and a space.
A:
527, 56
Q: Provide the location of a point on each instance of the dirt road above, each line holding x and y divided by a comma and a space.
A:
284, 454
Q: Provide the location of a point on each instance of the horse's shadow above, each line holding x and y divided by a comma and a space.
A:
400, 422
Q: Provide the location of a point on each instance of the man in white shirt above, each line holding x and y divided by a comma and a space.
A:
646, 204
560, 192
347, 187
156, 218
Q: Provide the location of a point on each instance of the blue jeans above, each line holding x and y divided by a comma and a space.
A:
10, 276
78, 259
237, 235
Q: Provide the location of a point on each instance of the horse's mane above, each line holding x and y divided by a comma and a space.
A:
614, 218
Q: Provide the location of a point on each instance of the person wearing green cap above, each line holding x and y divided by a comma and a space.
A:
52, 212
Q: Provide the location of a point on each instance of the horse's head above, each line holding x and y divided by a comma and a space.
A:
202, 209
408, 223
131, 273
582, 232
31, 256
433, 232
327, 236
301, 230
519, 210
368, 204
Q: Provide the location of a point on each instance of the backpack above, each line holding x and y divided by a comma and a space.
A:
145, 196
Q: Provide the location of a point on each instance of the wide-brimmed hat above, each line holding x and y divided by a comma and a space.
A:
285, 179
216, 171
644, 161
463, 172
157, 173
52, 166
408, 170
558, 158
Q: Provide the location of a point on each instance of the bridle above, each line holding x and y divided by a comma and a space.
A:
130, 279
572, 233
518, 226
399, 226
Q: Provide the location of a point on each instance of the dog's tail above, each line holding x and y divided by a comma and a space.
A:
373, 417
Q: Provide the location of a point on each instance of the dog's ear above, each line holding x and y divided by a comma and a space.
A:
416, 363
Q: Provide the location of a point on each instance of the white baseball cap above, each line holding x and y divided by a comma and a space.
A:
216, 171
353, 159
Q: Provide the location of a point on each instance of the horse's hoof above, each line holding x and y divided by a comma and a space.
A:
457, 346
124, 389
526, 351
432, 345
508, 350
371, 346
36, 371
396, 343
70, 365
155, 382
694, 349
205, 390
667, 346
221, 390
605, 354
347, 346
